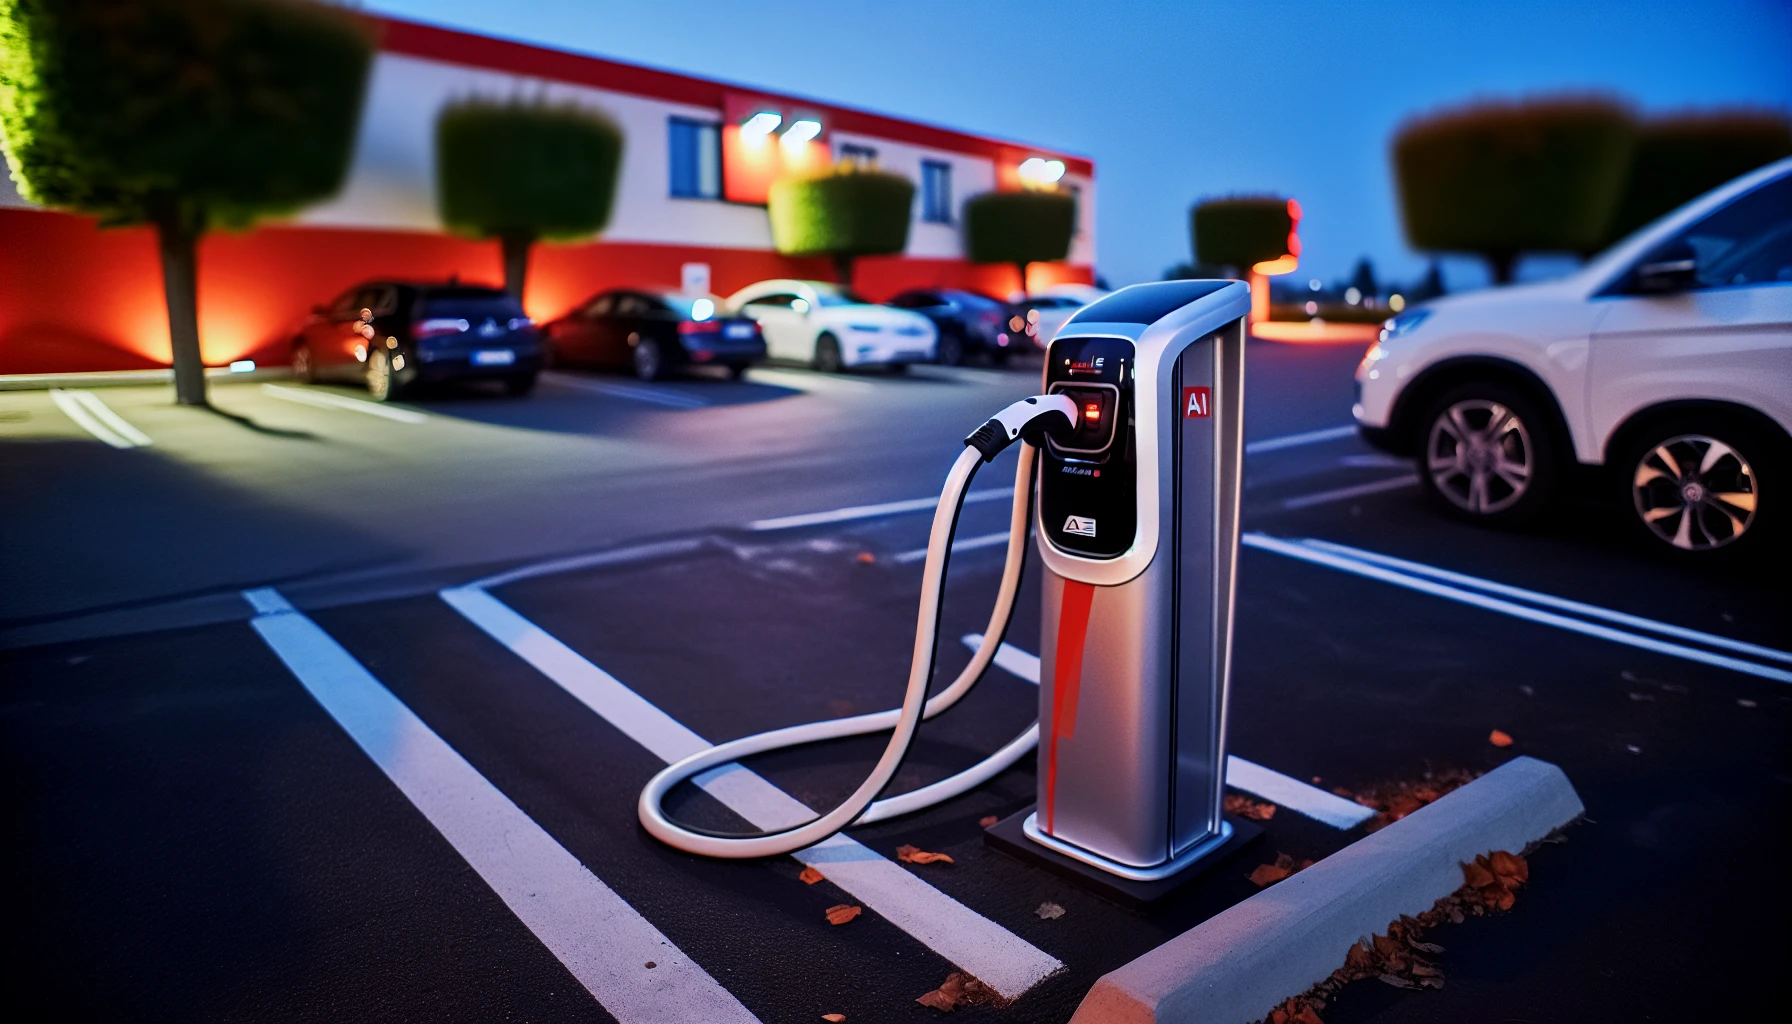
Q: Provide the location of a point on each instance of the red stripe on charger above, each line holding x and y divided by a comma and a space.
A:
1067, 676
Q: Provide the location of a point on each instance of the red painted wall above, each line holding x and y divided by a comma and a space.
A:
75, 297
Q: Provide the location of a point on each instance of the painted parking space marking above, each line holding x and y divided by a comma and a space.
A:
1477, 598
998, 957
1248, 776
1347, 493
97, 418
888, 508
666, 397
320, 399
1551, 601
815, 383
1276, 444
987, 540
590, 929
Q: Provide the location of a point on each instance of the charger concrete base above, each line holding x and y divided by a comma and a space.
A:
1009, 836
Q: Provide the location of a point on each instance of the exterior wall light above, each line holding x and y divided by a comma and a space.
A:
802, 131
760, 125
1039, 172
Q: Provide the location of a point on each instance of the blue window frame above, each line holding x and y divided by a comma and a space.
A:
695, 159
936, 192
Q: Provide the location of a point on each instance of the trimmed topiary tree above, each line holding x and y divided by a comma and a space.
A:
1240, 232
1019, 228
1682, 157
1501, 179
523, 172
843, 213
183, 114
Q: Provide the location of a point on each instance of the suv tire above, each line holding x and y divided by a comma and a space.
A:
1704, 488
1488, 454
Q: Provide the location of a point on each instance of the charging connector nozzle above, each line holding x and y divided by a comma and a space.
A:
1031, 420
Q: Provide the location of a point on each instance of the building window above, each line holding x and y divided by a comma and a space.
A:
695, 158
854, 153
936, 192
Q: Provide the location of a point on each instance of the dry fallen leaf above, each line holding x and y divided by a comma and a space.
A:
915, 855
1499, 739
960, 989
810, 876
834, 1018
986, 822
843, 913
1269, 874
1477, 874
867, 557
1049, 911
1245, 807
1509, 868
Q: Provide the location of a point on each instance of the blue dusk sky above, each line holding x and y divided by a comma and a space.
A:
1176, 101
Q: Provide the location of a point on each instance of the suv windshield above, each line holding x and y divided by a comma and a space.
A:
472, 304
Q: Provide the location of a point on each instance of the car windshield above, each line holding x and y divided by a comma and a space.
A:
841, 298
470, 304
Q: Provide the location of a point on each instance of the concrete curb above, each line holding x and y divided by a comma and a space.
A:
129, 378
1235, 967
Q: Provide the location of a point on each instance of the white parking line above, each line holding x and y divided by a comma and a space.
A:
1551, 601
633, 392
98, 419
1276, 444
820, 383
590, 929
1346, 493
988, 540
1279, 789
998, 957
327, 400
888, 508
1480, 600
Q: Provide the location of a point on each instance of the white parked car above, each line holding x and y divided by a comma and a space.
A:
832, 329
1049, 309
1666, 359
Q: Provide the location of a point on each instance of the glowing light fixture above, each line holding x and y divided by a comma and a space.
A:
243, 366
1396, 302
760, 125
1038, 171
1289, 261
702, 309
802, 131
1352, 296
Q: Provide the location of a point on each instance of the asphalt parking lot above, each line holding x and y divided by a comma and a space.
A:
317, 712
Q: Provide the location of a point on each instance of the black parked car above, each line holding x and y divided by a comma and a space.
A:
394, 335
653, 334
968, 323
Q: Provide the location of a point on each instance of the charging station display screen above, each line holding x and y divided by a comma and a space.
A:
1086, 495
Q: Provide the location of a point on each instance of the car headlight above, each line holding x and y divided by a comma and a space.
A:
1403, 324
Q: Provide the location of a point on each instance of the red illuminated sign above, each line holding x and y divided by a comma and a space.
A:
1197, 403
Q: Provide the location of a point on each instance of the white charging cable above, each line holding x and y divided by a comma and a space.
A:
1027, 421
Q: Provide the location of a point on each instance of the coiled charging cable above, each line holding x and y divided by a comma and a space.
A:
1027, 421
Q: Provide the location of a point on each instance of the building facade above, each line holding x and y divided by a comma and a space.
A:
689, 208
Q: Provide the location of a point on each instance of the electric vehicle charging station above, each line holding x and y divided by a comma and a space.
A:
1138, 446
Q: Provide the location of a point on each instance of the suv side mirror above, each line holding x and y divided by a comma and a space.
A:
1672, 268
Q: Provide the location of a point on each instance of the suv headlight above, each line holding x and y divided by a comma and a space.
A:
1403, 324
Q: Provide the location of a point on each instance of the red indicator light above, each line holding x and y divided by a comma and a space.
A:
1092, 411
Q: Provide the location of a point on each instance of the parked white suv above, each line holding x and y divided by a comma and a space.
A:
831, 328
1667, 358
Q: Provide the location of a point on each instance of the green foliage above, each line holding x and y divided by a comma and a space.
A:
526, 170
1019, 227
844, 213
1239, 231
1499, 179
1682, 157
182, 112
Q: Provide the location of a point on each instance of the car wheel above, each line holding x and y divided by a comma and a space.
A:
304, 364
382, 380
1693, 487
827, 354
950, 351
998, 358
896, 368
519, 385
1488, 455
737, 370
650, 362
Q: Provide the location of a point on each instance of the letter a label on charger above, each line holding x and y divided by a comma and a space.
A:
1081, 526
1197, 403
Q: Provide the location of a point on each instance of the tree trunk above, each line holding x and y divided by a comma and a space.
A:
1501, 263
843, 269
179, 245
1022, 268
516, 262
